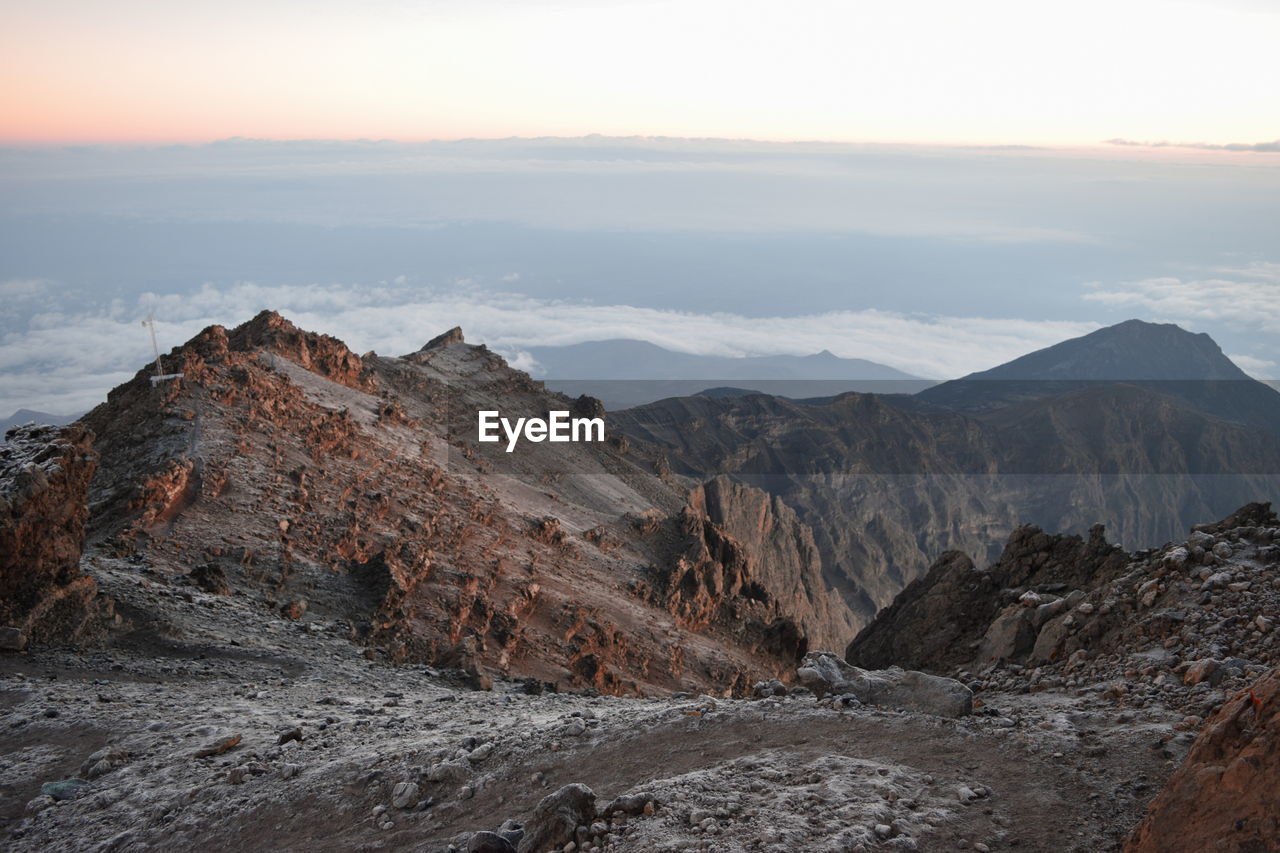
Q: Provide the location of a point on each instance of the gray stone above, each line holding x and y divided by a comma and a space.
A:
556, 817
489, 842
67, 789
103, 761
512, 831
12, 639
404, 795
1012, 635
826, 674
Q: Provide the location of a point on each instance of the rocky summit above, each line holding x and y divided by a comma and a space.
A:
287, 600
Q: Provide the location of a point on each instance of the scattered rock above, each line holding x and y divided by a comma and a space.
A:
1205, 669
404, 795
489, 842
291, 733
103, 761
218, 747
210, 578
67, 789
556, 817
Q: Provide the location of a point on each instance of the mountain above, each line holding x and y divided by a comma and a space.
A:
29, 416
290, 601
885, 483
352, 491
1160, 357
626, 373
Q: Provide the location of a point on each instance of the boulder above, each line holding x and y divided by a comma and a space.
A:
489, 842
1012, 635
556, 817
825, 673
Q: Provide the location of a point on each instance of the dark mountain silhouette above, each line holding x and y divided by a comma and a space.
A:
625, 373
1161, 357
29, 416
631, 359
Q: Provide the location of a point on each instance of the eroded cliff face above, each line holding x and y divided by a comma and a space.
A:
888, 483
1224, 796
44, 479
353, 491
750, 563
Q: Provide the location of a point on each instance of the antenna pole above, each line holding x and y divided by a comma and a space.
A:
150, 323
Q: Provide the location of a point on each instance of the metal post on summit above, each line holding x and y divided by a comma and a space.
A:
160, 375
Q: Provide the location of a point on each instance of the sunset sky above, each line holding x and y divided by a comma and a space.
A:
933, 71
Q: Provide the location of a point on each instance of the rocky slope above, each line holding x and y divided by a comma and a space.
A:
44, 480
219, 723
1183, 626
1223, 797
351, 491
257, 732
888, 482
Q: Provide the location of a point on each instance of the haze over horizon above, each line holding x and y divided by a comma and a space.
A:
1019, 174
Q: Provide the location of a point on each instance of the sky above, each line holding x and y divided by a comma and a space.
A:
919, 71
935, 186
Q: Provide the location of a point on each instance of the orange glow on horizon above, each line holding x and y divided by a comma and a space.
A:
920, 71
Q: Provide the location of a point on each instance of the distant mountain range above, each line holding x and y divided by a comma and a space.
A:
1140, 426
624, 373
26, 416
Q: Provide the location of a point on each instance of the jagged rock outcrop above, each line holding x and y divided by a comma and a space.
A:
44, 479
1183, 626
453, 336
1224, 795
321, 354
751, 564
957, 611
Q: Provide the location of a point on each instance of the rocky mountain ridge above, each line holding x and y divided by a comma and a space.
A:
349, 489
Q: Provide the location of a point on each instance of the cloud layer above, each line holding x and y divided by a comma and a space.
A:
1261, 147
66, 362
1247, 297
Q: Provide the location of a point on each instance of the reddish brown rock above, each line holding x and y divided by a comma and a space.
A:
295, 470
44, 478
321, 354
1224, 796
752, 565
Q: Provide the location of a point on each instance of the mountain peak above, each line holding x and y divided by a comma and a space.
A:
1161, 357
1134, 350
453, 336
